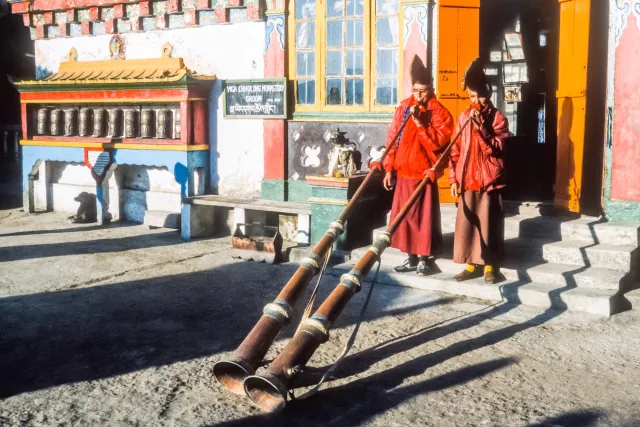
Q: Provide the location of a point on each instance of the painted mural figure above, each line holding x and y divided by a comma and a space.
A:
410, 159
476, 175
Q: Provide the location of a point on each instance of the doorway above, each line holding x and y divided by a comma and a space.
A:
519, 47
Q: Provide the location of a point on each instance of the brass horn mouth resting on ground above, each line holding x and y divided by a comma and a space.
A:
232, 373
266, 391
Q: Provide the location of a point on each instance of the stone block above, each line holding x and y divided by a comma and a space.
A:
110, 26
222, 15
26, 19
145, 8
39, 32
234, 3
196, 221
119, 11
136, 24
162, 21
72, 15
173, 6
253, 13
48, 18
63, 30
86, 28
203, 4
634, 298
94, 13
162, 219
190, 18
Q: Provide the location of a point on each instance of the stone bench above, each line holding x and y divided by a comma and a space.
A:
198, 219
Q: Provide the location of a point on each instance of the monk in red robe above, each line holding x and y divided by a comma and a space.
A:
476, 175
411, 157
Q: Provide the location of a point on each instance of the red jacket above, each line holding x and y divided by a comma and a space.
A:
417, 150
477, 157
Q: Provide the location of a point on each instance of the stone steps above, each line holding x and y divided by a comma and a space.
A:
553, 261
603, 302
552, 273
574, 252
591, 230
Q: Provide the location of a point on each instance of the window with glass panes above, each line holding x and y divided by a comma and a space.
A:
387, 51
346, 54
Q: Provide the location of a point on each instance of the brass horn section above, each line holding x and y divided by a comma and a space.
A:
231, 373
269, 391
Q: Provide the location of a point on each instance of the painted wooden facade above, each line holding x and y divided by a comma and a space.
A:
445, 33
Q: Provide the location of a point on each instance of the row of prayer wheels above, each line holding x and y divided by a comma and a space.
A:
109, 123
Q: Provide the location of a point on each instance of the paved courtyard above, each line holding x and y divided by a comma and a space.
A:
120, 326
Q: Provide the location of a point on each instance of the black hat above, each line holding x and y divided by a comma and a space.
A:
475, 79
419, 73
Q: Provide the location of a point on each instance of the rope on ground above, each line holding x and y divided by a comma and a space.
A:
347, 347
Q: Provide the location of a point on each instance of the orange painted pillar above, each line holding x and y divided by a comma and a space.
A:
458, 44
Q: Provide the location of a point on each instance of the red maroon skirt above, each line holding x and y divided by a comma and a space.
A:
420, 233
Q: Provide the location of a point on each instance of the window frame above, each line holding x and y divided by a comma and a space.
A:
369, 60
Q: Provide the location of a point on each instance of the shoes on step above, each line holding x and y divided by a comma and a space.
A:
410, 264
466, 275
427, 266
490, 277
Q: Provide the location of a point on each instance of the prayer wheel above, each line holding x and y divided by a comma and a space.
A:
43, 121
131, 123
85, 125
163, 130
56, 122
70, 121
176, 131
99, 120
115, 123
147, 123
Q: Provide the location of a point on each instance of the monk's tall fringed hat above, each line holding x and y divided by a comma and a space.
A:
419, 73
476, 80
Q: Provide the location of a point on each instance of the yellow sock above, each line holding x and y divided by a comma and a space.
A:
488, 269
471, 268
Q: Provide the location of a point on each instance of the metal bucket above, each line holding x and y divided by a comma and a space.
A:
257, 242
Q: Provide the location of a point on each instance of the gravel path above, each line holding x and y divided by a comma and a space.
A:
120, 326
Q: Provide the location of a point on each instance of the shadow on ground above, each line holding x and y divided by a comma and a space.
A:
83, 334
100, 246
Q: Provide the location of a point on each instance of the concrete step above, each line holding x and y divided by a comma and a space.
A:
587, 229
634, 298
514, 269
162, 219
575, 252
604, 302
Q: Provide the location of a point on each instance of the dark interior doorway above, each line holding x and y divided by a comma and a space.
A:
519, 47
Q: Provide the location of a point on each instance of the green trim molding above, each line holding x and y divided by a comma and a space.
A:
342, 117
298, 191
274, 189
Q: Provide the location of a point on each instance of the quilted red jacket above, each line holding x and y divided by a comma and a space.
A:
417, 149
488, 169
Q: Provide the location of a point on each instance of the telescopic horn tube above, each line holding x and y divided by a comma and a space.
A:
269, 391
249, 355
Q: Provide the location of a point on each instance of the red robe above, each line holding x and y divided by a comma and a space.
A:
416, 152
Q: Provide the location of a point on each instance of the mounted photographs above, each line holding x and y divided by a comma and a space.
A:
513, 93
513, 43
515, 72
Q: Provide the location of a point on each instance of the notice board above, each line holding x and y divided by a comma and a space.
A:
255, 99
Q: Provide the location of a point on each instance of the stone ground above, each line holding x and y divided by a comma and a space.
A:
121, 326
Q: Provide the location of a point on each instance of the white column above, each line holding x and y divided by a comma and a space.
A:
304, 229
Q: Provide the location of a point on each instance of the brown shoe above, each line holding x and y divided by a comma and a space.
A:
490, 278
465, 275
